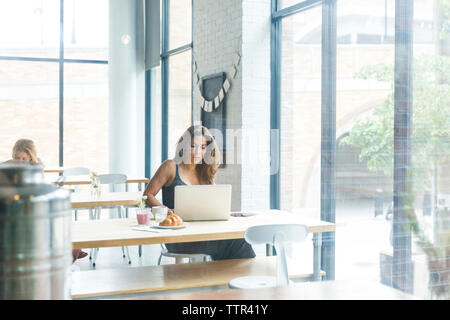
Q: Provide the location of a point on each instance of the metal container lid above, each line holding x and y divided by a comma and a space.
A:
23, 187
14, 173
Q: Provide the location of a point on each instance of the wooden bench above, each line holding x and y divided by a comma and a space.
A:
159, 279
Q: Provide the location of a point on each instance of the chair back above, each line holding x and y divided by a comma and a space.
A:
263, 234
112, 179
277, 235
76, 171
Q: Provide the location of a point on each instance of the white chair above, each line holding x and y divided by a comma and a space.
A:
113, 180
277, 235
180, 257
75, 171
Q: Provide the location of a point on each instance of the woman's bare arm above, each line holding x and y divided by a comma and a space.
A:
162, 177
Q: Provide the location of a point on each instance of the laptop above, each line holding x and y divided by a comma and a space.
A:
203, 202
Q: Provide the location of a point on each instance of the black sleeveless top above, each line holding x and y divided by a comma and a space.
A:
168, 193
217, 249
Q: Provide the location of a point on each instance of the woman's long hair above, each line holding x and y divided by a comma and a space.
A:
208, 168
27, 146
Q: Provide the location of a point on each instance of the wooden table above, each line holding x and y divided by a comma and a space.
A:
324, 290
53, 169
86, 180
118, 232
84, 200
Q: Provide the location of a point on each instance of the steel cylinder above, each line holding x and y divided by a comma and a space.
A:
35, 235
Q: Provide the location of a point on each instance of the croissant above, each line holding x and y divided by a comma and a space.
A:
172, 220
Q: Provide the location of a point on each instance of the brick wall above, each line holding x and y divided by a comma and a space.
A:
220, 28
217, 31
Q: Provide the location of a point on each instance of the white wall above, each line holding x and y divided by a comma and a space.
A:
256, 24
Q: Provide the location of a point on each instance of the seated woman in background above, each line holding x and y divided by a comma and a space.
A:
24, 150
197, 166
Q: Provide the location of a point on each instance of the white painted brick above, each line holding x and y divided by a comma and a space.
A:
221, 27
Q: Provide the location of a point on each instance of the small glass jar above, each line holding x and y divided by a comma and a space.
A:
95, 190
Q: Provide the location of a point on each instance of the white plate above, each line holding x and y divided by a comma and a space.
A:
144, 228
171, 227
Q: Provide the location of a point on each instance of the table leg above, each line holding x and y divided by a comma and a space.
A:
269, 249
94, 213
126, 189
140, 247
317, 243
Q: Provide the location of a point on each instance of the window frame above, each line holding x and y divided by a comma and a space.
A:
61, 61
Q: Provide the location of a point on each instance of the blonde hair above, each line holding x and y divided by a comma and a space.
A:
208, 168
27, 146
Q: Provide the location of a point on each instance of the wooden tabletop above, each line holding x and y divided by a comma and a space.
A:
86, 200
53, 169
83, 180
119, 232
317, 290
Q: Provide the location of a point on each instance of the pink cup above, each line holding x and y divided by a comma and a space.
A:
143, 217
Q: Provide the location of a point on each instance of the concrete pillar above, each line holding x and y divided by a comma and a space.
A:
126, 87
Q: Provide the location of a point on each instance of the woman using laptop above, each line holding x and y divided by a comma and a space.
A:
195, 163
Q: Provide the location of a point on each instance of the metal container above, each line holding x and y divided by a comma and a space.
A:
35, 235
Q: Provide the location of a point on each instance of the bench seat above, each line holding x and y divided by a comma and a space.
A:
134, 280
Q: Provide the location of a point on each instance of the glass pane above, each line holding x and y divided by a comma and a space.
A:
86, 114
300, 132
287, 3
431, 143
364, 103
86, 29
180, 106
300, 111
29, 28
30, 108
180, 23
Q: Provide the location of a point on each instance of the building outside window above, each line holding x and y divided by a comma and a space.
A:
364, 164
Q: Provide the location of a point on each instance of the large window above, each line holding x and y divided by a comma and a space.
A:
54, 84
344, 69
176, 72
